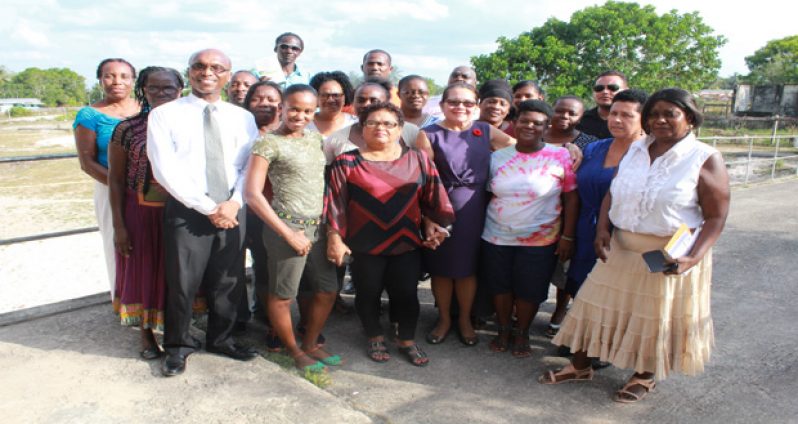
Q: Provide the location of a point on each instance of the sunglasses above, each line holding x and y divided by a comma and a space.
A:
612, 87
289, 46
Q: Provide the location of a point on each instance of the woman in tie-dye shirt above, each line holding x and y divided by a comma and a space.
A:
530, 223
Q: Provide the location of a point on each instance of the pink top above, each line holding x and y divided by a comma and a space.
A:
526, 207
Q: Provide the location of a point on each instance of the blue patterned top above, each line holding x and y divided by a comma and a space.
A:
103, 125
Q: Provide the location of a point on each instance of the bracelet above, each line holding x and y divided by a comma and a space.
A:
566, 238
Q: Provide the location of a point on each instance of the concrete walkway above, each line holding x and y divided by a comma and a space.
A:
83, 367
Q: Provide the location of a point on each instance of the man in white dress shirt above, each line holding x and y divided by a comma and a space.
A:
198, 146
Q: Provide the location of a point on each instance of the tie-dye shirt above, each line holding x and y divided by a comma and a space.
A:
526, 207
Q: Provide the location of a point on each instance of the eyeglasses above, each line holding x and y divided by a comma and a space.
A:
387, 124
600, 87
154, 89
336, 96
466, 103
215, 68
290, 47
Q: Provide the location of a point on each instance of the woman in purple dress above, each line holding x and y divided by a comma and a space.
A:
461, 150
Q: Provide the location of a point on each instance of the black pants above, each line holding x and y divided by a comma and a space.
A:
260, 274
398, 275
199, 254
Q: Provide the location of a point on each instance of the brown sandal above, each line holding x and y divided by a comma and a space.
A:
624, 395
501, 341
566, 374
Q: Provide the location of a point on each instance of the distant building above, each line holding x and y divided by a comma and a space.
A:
6, 104
766, 100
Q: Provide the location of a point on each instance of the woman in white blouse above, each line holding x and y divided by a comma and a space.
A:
652, 323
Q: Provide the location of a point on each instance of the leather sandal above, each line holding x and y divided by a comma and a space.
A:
521, 348
414, 355
624, 395
378, 351
566, 374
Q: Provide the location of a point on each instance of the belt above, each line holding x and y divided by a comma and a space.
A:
297, 220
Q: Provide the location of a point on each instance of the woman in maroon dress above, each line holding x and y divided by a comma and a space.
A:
137, 213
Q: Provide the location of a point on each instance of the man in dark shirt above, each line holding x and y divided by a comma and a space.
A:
594, 121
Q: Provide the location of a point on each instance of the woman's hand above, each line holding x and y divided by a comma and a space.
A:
298, 241
576, 154
565, 249
683, 265
602, 244
122, 242
434, 234
337, 250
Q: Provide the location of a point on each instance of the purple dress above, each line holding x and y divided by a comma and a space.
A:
463, 162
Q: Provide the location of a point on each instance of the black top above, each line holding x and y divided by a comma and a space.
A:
592, 124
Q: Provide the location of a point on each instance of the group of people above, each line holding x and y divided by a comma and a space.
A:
492, 192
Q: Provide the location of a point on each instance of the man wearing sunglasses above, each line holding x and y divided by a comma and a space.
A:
285, 72
594, 121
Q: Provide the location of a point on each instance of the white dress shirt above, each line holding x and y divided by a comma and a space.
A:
656, 198
176, 149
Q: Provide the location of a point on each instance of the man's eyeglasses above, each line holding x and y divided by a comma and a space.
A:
387, 124
290, 47
215, 68
600, 87
466, 103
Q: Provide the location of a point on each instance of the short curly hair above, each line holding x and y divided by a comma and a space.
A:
376, 107
340, 78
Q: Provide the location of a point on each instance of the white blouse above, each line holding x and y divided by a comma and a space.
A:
656, 198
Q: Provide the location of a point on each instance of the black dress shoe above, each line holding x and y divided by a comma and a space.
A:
240, 328
173, 364
235, 351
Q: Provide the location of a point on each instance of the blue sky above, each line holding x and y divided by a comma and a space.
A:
426, 37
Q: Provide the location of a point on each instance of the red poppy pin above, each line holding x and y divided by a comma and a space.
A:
477, 132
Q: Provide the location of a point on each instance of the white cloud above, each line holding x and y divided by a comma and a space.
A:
26, 32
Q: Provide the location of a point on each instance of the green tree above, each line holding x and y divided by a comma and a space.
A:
54, 86
775, 63
434, 89
654, 51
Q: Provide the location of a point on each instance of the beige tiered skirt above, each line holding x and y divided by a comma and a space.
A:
635, 319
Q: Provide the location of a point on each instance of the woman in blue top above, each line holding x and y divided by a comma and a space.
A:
594, 176
94, 126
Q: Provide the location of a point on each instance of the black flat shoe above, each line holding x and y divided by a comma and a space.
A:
173, 364
468, 341
234, 351
434, 339
152, 352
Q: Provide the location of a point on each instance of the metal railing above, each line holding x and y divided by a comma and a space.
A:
749, 161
